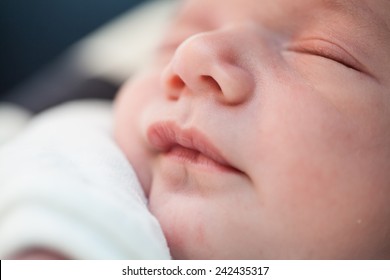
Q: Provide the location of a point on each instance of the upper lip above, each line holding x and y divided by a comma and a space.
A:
164, 136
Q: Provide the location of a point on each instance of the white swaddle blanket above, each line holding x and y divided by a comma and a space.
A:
65, 186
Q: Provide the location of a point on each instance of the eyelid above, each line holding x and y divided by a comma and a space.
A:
328, 50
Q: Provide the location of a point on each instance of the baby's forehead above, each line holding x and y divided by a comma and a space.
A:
371, 10
361, 16
367, 14
376, 11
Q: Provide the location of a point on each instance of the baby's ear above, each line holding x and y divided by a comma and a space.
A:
38, 254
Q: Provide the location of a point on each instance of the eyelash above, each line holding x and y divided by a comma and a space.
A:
326, 50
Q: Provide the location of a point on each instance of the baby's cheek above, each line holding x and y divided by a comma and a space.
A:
329, 217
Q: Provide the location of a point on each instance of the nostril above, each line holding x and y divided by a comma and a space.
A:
211, 82
173, 85
176, 82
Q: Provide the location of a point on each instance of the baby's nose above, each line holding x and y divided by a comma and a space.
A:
211, 63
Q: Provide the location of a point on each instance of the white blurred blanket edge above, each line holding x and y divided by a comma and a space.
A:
66, 186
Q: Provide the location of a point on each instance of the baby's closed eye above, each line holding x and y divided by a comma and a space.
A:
328, 50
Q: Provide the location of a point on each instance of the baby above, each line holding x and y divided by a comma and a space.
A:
260, 131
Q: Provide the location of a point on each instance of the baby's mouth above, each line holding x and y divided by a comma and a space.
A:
195, 157
187, 146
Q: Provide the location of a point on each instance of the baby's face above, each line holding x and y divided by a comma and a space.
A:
261, 130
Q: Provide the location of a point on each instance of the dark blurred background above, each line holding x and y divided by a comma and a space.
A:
34, 32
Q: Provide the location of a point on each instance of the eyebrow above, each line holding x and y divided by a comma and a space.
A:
358, 12
370, 22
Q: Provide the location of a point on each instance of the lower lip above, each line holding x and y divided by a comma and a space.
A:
197, 159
